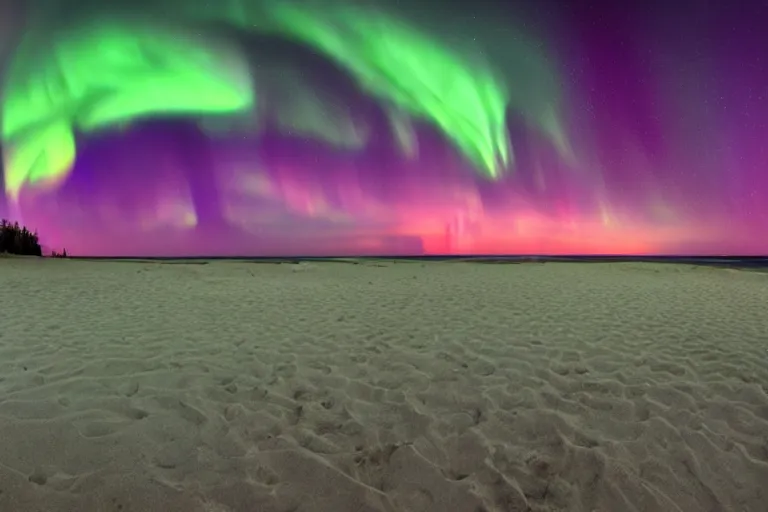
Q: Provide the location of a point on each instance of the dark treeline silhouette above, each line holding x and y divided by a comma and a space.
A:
15, 239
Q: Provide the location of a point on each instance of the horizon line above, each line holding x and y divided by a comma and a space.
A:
539, 257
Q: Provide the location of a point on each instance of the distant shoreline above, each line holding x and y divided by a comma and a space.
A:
757, 263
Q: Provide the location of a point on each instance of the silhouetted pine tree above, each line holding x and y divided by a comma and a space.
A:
16, 239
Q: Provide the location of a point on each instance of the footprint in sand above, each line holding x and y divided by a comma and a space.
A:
263, 475
136, 414
53, 479
129, 389
38, 477
185, 410
96, 429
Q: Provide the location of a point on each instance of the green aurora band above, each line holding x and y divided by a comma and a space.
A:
111, 69
102, 75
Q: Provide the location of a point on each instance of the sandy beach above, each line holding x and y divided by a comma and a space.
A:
372, 387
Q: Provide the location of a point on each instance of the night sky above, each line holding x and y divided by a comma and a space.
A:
340, 127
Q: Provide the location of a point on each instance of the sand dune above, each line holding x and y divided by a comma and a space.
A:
449, 387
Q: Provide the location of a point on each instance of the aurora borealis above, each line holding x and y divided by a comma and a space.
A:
340, 127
